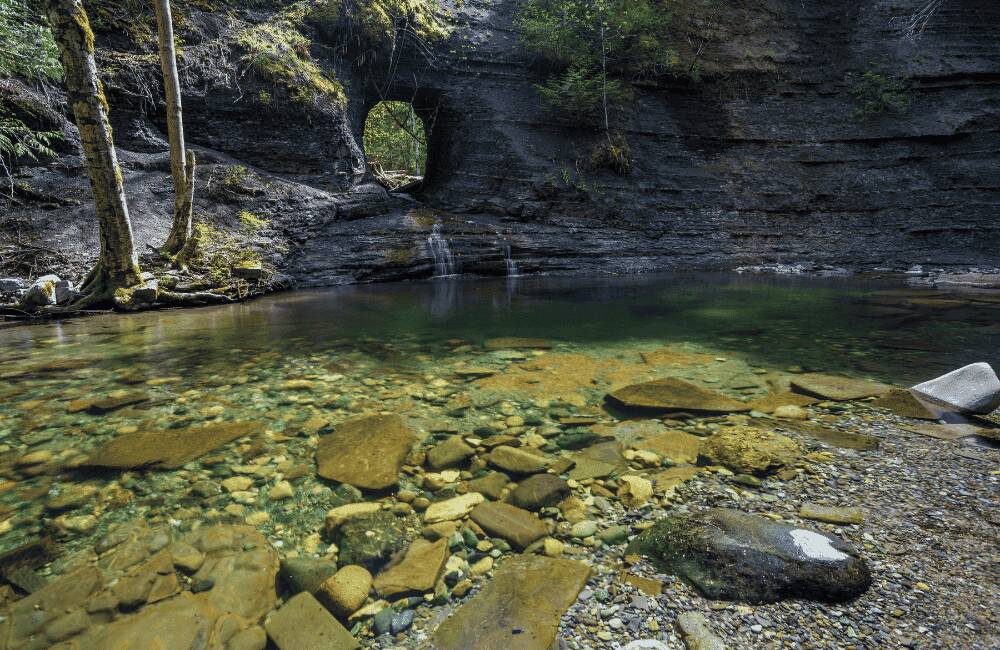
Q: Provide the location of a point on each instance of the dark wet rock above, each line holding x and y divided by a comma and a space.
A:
417, 572
730, 555
749, 450
305, 573
520, 607
168, 448
452, 451
383, 621
904, 403
366, 452
517, 526
303, 623
539, 491
673, 394
836, 388
402, 621
372, 540
490, 486
974, 388
577, 439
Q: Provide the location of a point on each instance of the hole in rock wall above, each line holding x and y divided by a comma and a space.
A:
395, 139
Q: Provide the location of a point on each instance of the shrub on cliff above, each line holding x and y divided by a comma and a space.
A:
593, 49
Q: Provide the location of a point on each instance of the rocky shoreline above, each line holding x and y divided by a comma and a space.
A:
526, 493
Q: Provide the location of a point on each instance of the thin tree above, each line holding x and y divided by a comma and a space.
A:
117, 266
182, 161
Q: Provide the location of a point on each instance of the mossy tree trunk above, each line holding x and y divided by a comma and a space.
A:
118, 266
182, 162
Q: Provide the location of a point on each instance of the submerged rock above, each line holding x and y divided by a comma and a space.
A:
903, 403
452, 451
303, 624
730, 555
345, 592
517, 526
520, 607
366, 452
971, 389
697, 633
540, 491
679, 447
169, 448
838, 389
372, 540
418, 571
748, 450
517, 461
673, 394
305, 573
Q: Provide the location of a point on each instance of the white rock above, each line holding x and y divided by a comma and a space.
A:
454, 508
42, 292
971, 389
816, 546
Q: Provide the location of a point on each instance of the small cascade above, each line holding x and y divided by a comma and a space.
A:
444, 260
508, 255
508, 258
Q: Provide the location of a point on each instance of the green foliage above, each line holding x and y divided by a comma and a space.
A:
877, 94
28, 49
381, 22
612, 153
593, 46
236, 178
252, 224
577, 94
281, 54
395, 138
216, 252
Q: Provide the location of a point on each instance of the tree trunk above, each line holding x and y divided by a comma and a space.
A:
181, 161
118, 266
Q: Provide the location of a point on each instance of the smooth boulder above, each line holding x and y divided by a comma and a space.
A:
731, 555
971, 389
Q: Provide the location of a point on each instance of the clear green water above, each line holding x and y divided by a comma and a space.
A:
394, 348
877, 329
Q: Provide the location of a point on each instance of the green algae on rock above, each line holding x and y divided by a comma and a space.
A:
749, 450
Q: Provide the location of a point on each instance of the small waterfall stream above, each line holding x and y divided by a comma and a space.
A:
444, 261
508, 258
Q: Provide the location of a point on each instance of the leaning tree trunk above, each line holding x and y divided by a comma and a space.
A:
118, 266
181, 163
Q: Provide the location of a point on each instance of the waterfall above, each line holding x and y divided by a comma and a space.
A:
444, 261
508, 258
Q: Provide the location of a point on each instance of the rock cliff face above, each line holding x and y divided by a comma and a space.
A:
763, 160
